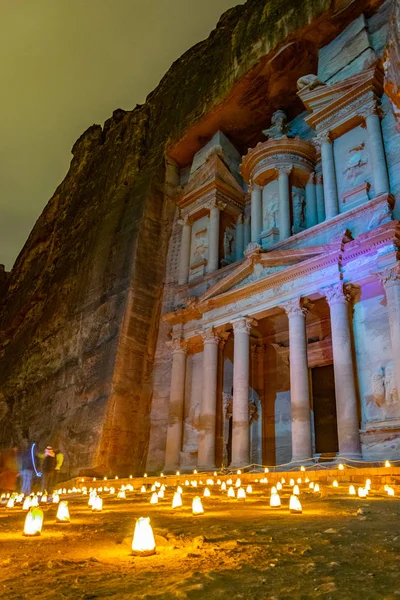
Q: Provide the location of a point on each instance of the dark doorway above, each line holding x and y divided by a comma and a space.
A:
324, 403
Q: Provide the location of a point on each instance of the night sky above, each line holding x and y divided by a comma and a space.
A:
67, 64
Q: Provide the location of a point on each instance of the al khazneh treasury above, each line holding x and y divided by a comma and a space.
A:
242, 301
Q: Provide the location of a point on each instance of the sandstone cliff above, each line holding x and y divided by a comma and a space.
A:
79, 318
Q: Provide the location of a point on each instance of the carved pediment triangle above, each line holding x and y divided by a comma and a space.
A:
213, 169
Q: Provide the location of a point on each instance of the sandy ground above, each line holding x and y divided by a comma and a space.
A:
235, 550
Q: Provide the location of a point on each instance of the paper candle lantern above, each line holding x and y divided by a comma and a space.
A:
179, 490
296, 490
153, 488
249, 489
352, 490
34, 501
10, 502
143, 489
206, 493
161, 494
390, 491
63, 512
27, 503
279, 486
177, 473
241, 494
143, 543
56, 498
219, 482
275, 501
295, 505
274, 490
311, 486
229, 482
291, 482
121, 494
231, 492
335, 484
238, 483
387, 463
266, 470
97, 505
223, 486
302, 468
341, 467
154, 498
197, 507
299, 480
33, 522
176, 500
316, 487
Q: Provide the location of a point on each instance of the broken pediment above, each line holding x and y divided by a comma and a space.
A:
259, 266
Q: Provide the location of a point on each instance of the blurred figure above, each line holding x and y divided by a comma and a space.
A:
26, 469
48, 466
8, 470
59, 464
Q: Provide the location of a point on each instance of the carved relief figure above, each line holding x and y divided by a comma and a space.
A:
383, 385
309, 81
357, 158
391, 393
378, 386
200, 246
271, 215
279, 127
299, 210
228, 243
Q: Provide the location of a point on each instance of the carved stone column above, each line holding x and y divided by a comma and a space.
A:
206, 454
213, 236
329, 173
390, 279
311, 202
299, 382
176, 405
256, 213
247, 232
377, 152
184, 256
284, 202
240, 412
338, 299
240, 237
319, 188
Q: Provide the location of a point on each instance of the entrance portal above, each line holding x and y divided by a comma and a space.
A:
325, 422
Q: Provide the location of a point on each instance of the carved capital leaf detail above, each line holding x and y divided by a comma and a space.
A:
243, 324
178, 345
210, 335
337, 293
390, 276
285, 170
296, 307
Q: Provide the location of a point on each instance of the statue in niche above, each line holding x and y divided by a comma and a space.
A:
228, 404
253, 412
279, 127
228, 243
309, 82
271, 215
391, 394
299, 211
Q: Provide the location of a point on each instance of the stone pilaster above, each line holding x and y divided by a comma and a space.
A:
176, 405
206, 454
246, 232
296, 311
240, 237
390, 279
377, 151
329, 173
213, 236
240, 412
284, 202
184, 256
338, 298
319, 188
256, 212
311, 202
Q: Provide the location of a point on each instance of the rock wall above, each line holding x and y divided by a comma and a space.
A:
80, 316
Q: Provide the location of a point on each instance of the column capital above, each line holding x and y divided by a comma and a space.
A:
243, 324
285, 170
254, 187
296, 307
184, 220
215, 203
337, 293
311, 179
390, 276
372, 108
178, 345
223, 338
324, 138
319, 180
210, 336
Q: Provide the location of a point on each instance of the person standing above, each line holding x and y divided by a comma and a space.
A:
48, 466
26, 469
59, 464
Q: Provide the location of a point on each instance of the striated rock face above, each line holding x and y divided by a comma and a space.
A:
80, 315
392, 62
